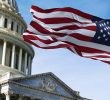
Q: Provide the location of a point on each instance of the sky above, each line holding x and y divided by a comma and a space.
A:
91, 78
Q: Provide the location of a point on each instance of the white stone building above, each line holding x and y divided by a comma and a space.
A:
16, 81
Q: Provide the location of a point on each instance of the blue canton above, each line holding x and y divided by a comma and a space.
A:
102, 35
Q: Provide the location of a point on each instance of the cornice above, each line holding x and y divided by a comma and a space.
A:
35, 89
17, 39
13, 14
54, 77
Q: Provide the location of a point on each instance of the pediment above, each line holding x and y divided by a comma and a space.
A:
47, 82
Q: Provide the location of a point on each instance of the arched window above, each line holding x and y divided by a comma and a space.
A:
5, 23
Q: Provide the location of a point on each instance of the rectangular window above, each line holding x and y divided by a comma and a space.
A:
12, 25
5, 23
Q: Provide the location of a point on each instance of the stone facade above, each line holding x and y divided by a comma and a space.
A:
16, 81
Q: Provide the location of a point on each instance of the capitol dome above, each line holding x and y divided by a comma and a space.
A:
15, 54
9, 4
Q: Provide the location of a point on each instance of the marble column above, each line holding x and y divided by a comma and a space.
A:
20, 59
7, 97
4, 53
9, 23
25, 66
30, 61
15, 26
29, 65
2, 21
20, 98
13, 56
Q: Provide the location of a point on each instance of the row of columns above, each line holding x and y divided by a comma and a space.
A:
26, 59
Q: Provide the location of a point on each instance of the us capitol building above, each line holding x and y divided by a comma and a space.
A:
16, 81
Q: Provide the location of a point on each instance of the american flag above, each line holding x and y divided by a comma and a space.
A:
85, 35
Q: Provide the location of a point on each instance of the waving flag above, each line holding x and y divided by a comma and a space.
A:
85, 35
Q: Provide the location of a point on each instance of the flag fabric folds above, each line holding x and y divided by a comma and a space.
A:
85, 35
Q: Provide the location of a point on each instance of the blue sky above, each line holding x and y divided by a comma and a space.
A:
90, 77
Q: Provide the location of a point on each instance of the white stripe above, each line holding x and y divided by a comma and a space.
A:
94, 54
68, 24
84, 43
80, 31
103, 59
41, 44
39, 36
73, 49
60, 14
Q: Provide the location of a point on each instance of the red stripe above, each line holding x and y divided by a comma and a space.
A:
56, 20
66, 9
108, 62
87, 49
74, 27
81, 37
31, 37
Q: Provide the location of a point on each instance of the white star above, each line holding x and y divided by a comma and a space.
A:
106, 39
101, 31
107, 22
100, 25
98, 37
108, 33
104, 35
104, 28
107, 28
104, 23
